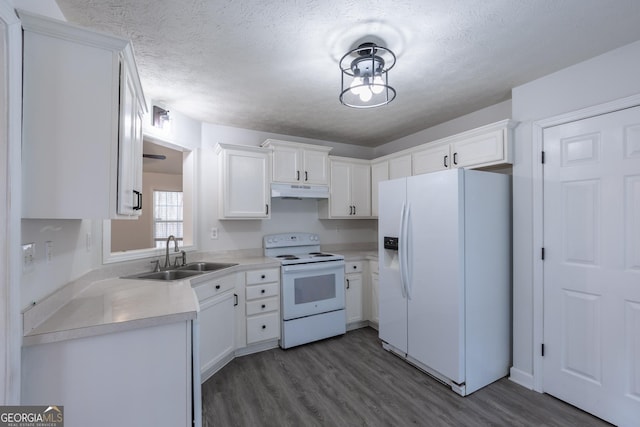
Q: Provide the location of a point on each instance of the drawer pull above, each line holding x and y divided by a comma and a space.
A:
235, 297
217, 286
262, 291
264, 326
263, 276
264, 306
355, 267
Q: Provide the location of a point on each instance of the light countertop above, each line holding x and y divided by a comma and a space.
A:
118, 304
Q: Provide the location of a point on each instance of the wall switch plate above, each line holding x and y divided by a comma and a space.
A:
48, 250
214, 233
28, 257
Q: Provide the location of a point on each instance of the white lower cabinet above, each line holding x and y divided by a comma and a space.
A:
262, 305
140, 377
217, 320
375, 298
353, 292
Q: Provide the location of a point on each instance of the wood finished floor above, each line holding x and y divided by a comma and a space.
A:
351, 381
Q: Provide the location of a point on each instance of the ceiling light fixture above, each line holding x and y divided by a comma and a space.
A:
365, 76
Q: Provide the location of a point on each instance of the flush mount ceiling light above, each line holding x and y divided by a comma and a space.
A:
365, 76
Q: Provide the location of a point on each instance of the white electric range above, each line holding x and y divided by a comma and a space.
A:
312, 288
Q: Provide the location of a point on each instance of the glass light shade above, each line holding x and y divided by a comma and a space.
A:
378, 85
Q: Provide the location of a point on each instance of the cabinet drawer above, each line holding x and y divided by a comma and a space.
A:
263, 327
215, 287
263, 306
353, 267
263, 276
262, 291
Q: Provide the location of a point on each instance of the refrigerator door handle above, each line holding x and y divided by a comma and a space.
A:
401, 254
407, 253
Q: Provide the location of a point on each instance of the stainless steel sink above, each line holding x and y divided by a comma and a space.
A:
166, 275
205, 266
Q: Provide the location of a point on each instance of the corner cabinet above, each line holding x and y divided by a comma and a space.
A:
244, 182
297, 163
82, 123
350, 190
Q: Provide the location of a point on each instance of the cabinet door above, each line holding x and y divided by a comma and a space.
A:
217, 330
361, 189
315, 167
287, 165
353, 301
128, 198
245, 184
400, 167
432, 159
341, 189
379, 172
483, 149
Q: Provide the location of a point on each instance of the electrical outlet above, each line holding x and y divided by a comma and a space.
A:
214, 233
28, 257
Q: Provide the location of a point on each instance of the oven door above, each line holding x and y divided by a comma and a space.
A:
312, 288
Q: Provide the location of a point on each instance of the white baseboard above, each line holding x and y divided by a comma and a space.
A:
521, 378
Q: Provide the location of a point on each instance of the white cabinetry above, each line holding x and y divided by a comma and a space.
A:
299, 163
354, 292
350, 195
375, 293
379, 172
263, 305
400, 166
217, 323
485, 146
141, 377
82, 123
431, 159
244, 182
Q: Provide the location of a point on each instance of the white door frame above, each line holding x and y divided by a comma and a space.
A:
10, 212
538, 215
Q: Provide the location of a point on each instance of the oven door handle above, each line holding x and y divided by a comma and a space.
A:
314, 266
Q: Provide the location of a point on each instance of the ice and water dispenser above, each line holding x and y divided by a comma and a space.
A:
391, 253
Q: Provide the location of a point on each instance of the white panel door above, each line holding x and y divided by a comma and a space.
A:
592, 265
340, 200
400, 167
431, 159
286, 164
436, 297
392, 303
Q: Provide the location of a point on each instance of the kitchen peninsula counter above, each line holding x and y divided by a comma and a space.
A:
94, 305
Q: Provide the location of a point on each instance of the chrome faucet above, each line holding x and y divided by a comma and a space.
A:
167, 262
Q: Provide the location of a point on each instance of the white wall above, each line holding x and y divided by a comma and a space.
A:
469, 121
608, 77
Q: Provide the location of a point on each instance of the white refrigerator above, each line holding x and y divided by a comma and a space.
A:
445, 274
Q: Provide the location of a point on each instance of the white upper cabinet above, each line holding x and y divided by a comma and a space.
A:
485, 149
400, 167
379, 172
488, 145
431, 159
244, 182
82, 123
298, 163
350, 193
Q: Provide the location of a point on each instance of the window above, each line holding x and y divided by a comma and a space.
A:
167, 216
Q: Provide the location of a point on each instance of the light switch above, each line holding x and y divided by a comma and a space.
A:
28, 257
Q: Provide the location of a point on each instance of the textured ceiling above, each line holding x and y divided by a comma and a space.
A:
273, 65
